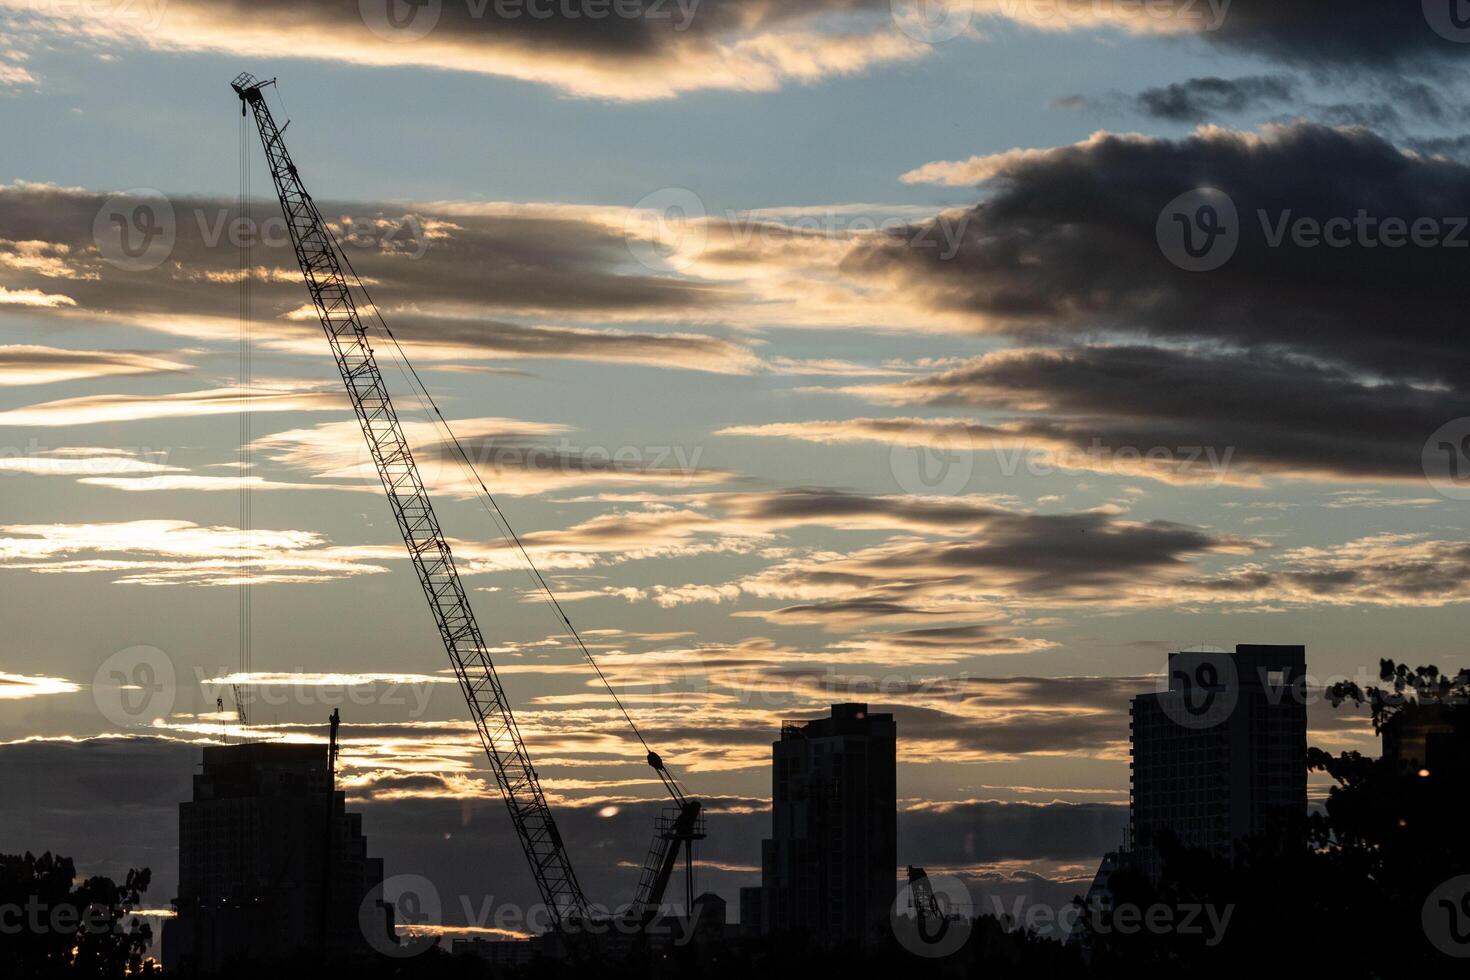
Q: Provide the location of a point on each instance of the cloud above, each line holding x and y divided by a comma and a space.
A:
1198, 99
480, 338
33, 297
1340, 33
80, 461
469, 257
99, 409
938, 644
1319, 34
65, 784
450, 277
170, 552
1066, 243
145, 472
16, 687
1258, 413
1384, 103
1405, 570
827, 507
1039, 447
512, 456
663, 49
1030, 560
210, 484
469, 282
24, 364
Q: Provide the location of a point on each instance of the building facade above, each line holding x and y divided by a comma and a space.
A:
271, 865
829, 869
1220, 755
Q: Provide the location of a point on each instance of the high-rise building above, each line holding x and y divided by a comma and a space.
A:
830, 867
271, 865
1220, 755
1432, 738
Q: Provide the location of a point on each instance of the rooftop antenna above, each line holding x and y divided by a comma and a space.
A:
332, 749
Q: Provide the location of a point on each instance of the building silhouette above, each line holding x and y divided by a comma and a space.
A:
829, 869
271, 865
1429, 739
1222, 754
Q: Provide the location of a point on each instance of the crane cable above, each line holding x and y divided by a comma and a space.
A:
463, 457
245, 458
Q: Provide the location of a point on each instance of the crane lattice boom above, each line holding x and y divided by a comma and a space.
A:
321, 265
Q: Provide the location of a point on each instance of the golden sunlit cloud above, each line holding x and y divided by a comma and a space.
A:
165, 552
27, 364
15, 687
91, 463
33, 297
96, 409
512, 457
309, 679
672, 49
212, 484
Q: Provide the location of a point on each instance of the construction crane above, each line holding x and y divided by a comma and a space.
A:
933, 923
678, 828
322, 266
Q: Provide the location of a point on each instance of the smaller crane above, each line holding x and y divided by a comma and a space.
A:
933, 923
678, 828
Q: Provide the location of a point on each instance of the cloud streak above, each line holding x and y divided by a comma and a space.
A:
101, 409
28, 364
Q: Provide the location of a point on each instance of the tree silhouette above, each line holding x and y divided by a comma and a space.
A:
1350, 902
53, 926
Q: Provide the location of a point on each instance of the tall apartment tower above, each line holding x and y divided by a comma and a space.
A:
1220, 755
271, 865
830, 867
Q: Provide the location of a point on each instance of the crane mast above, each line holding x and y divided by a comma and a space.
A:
316, 252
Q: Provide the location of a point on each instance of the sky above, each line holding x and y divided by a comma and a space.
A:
959, 358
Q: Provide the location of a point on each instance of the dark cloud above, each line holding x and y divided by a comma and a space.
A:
110, 803
628, 50
1451, 147
826, 506
1038, 559
1067, 244
1273, 413
444, 272
1318, 33
1203, 98
695, 351
982, 832
113, 804
925, 644
1384, 570
557, 29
